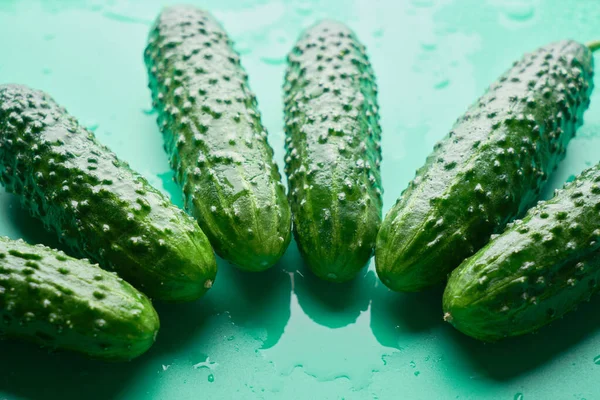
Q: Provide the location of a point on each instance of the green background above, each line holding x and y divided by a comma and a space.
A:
283, 334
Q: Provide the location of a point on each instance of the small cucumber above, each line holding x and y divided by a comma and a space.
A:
537, 270
489, 169
95, 203
59, 302
333, 151
215, 138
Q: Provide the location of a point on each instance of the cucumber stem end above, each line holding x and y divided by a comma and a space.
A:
594, 45
447, 317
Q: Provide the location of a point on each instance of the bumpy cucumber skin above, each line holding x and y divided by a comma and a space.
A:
488, 170
333, 151
95, 203
537, 270
59, 302
214, 135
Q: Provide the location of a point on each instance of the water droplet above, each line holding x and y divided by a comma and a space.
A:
99, 295
304, 8
519, 11
243, 47
211, 378
422, 3
428, 46
441, 84
597, 360
273, 60
413, 364
417, 373
519, 396
93, 126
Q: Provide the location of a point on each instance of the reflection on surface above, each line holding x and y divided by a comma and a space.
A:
333, 305
31, 373
259, 302
230, 344
510, 358
394, 315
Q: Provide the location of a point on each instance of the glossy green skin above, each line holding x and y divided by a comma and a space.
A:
215, 138
537, 270
333, 151
95, 203
488, 170
59, 302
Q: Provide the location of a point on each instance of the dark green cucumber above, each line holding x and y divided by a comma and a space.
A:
489, 169
95, 203
215, 138
60, 302
537, 270
333, 151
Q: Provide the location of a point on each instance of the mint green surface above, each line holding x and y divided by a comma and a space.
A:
284, 334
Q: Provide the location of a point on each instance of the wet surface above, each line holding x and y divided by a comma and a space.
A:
283, 333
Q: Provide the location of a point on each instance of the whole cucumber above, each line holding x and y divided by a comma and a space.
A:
215, 138
489, 169
59, 302
537, 270
333, 151
95, 203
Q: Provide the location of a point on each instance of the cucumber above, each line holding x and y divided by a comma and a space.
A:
95, 203
333, 151
217, 144
489, 169
537, 270
59, 302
